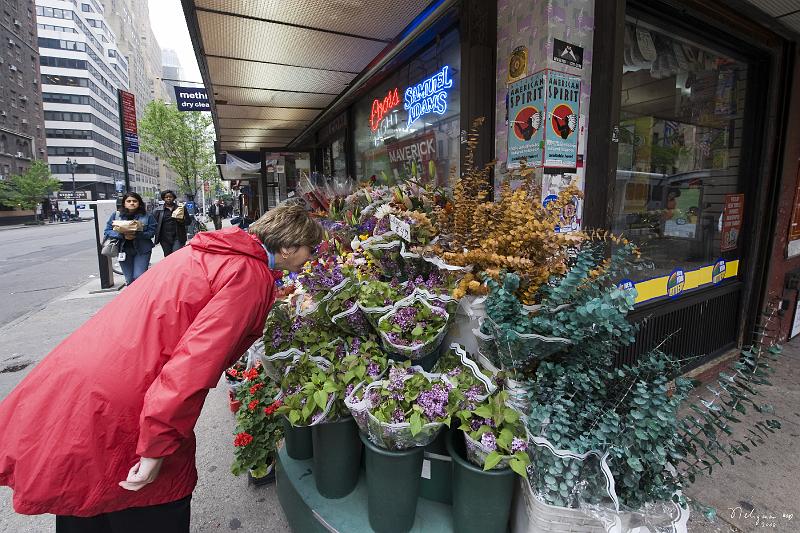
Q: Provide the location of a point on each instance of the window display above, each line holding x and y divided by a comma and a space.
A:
681, 125
410, 124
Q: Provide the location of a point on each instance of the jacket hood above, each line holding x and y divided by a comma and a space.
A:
228, 241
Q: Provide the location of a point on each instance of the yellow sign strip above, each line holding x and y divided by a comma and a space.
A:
657, 287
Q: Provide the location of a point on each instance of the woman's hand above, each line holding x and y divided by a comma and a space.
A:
143, 473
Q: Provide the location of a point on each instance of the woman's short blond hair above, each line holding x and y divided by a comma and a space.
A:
286, 227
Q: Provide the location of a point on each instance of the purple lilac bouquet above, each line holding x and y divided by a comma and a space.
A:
495, 435
320, 276
413, 329
413, 400
342, 309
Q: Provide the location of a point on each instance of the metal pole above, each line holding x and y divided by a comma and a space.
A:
124, 144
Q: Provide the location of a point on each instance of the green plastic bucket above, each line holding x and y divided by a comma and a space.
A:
481, 500
298, 441
337, 457
392, 486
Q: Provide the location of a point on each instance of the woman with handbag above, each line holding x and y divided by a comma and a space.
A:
101, 432
134, 228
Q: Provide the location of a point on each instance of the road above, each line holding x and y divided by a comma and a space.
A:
39, 263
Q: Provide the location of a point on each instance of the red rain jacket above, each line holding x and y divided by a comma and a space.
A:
132, 380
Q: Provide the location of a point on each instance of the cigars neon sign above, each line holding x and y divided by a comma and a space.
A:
380, 108
428, 96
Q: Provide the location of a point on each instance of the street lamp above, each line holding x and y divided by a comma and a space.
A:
72, 166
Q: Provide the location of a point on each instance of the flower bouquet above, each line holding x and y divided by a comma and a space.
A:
342, 308
376, 298
320, 276
384, 251
495, 436
404, 411
414, 328
365, 362
258, 427
234, 375
307, 388
466, 376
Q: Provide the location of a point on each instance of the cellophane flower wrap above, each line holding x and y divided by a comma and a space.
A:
307, 388
414, 328
341, 306
406, 410
376, 298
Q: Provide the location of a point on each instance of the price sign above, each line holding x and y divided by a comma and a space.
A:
401, 228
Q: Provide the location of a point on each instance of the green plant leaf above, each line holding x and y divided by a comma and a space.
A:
321, 397
416, 423
492, 460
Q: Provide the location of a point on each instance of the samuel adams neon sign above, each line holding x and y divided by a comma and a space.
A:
428, 96
380, 108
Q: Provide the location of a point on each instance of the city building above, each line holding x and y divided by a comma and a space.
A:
81, 69
171, 72
21, 119
130, 21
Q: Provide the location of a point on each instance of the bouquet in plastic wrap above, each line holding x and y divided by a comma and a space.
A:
466, 376
414, 328
408, 409
495, 436
376, 298
341, 306
308, 388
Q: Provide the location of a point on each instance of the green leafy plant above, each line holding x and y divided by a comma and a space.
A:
27, 190
414, 324
309, 401
496, 435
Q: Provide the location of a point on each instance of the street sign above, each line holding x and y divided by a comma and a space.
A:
78, 195
129, 127
192, 99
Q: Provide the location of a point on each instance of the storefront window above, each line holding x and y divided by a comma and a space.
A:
678, 175
409, 125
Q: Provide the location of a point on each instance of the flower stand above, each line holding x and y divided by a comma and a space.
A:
337, 457
307, 511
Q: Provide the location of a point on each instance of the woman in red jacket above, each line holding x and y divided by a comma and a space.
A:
100, 433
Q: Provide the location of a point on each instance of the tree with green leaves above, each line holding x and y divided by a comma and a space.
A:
27, 190
183, 139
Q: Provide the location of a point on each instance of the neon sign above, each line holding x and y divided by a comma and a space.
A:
380, 108
428, 96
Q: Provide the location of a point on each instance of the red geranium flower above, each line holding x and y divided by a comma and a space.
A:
232, 372
251, 374
272, 407
252, 405
242, 439
256, 387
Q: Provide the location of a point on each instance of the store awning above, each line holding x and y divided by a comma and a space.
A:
271, 67
786, 12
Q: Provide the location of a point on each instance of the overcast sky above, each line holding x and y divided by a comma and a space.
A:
169, 25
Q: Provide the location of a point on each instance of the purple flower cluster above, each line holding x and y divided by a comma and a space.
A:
397, 340
374, 398
473, 393
489, 441
455, 372
277, 336
398, 416
475, 424
355, 345
518, 445
340, 351
348, 390
323, 277
406, 318
294, 389
434, 402
368, 226
373, 369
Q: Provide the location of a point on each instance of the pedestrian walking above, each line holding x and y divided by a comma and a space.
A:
170, 229
135, 228
100, 433
215, 212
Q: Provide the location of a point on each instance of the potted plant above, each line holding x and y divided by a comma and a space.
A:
414, 329
234, 376
306, 392
404, 414
258, 429
337, 448
493, 447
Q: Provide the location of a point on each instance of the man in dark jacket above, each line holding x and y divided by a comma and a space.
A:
170, 231
217, 212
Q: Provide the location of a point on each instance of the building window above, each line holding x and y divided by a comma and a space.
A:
86, 8
681, 123
397, 130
